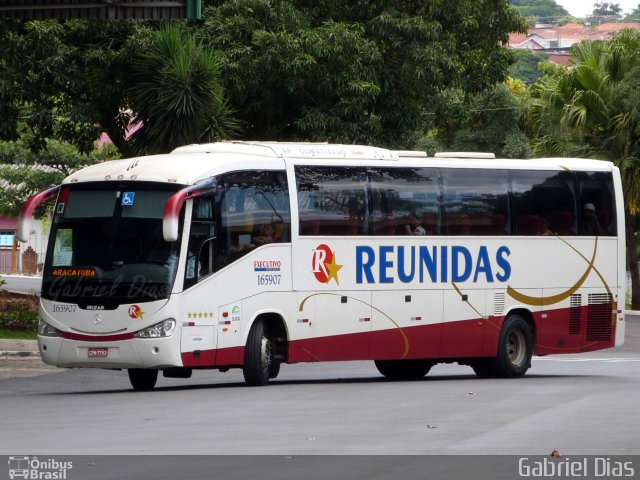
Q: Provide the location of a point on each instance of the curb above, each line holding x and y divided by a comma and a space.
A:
14, 354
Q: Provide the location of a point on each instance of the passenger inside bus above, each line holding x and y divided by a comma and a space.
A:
241, 246
544, 229
265, 235
590, 224
414, 227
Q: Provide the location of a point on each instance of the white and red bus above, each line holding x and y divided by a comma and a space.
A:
250, 255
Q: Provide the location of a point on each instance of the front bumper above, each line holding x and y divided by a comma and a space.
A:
131, 353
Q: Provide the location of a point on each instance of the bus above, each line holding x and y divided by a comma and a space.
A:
256, 254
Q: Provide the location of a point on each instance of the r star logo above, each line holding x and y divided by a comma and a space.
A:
135, 311
324, 265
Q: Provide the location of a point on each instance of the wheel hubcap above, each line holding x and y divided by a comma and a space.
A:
516, 347
265, 352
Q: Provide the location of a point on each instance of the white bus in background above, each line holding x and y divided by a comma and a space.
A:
251, 255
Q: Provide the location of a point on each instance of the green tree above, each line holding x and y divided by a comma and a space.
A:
540, 11
633, 16
356, 71
72, 80
589, 109
66, 80
25, 172
488, 121
605, 12
175, 95
526, 66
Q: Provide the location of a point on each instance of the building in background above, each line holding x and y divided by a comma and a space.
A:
22, 258
556, 41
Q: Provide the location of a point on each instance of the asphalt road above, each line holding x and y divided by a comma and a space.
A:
581, 404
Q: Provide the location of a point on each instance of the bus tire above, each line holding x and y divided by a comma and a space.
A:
404, 369
515, 348
143, 379
274, 369
258, 356
484, 367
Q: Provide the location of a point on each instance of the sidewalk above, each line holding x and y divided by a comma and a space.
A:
18, 348
20, 358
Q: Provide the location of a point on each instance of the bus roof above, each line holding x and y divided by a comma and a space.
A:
192, 163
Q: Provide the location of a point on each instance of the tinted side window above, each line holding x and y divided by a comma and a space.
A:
250, 209
476, 202
544, 202
332, 200
597, 203
404, 201
254, 210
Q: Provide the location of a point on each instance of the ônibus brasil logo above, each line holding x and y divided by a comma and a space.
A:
324, 264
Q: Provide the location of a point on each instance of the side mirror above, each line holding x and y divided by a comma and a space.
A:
171, 213
26, 214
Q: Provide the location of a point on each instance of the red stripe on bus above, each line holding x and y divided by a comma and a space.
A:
97, 338
475, 337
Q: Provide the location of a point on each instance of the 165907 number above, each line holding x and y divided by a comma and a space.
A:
64, 308
269, 279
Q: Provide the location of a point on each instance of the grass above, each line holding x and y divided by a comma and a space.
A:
17, 334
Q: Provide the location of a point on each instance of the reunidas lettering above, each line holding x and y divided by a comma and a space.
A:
435, 264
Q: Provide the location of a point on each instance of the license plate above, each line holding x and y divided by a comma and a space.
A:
98, 352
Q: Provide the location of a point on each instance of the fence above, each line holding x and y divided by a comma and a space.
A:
24, 258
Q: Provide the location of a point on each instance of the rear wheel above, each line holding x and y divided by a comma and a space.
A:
404, 369
259, 364
143, 379
483, 367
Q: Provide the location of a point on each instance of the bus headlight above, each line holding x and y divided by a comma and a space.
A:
46, 330
162, 329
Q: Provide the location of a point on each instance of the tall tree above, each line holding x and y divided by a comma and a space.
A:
589, 109
493, 123
526, 66
65, 80
73, 80
605, 12
26, 173
175, 94
634, 15
541, 11
355, 71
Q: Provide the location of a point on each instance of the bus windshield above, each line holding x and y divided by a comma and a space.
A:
106, 247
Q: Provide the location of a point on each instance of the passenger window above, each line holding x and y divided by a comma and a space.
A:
250, 209
476, 202
254, 211
544, 202
597, 204
405, 201
200, 249
332, 200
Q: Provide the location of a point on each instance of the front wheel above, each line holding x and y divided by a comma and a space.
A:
259, 364
143, 379
404, 369
515, 348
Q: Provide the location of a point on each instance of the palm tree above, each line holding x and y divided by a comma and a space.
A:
588, 109
176, 96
